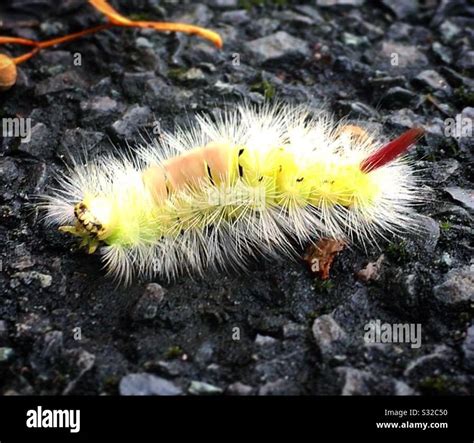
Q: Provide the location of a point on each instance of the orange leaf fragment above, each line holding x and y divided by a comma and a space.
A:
320, 256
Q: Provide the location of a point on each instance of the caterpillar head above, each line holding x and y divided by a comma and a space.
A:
93, 222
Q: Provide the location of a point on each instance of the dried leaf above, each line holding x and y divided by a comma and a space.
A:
371, 271
321, 255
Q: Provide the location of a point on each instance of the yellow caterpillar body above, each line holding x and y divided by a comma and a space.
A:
224, 190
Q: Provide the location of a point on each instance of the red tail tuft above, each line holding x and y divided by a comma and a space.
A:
391, 150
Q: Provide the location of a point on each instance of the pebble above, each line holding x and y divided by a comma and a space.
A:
147, 384
444, 53
135, 117
463, 196
237, 17
457, 287
468, 349
277, 46
444, 169
465, 61
432, 80
265, 340
204, 353
8, 171
400, 56
39, 143
65, 81
356, 382
3, 329
202, 388
449, 31
428, 234
281, 386
6, 354
149, 303
100, 106
27, 278
329, 3
239, 388
429, 364
326, 331
397, 97
402, 8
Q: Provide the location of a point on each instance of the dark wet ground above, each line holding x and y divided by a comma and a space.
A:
66, 328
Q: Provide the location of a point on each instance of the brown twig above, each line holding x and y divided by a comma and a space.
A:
115, 19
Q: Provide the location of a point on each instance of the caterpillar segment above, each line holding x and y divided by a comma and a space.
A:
245, 185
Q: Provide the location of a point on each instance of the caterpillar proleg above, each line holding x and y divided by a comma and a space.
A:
250, 181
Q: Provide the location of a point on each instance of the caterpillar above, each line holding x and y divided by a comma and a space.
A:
251, 181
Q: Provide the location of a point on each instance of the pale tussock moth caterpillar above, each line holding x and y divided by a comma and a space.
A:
244, 183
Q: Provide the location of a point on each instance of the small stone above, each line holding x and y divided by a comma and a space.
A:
432, 80
8, 171
204, 353
239, 388
465, 61
292, 330
428, 234
264, 340
62, 82
171, 368
329, 3
404, 118
202, 388
31, 326
468, 349
402, 8
293, 17
38, 142
143, 43
356, 382
133, 83
131, 121
147, 384
458, 286
79, 137
443, 52
397, 97
326, 332
429, 364
446, 259
449, 31
354, 40
224, 4
3, 329
444, 169
357, 109
397, 55
147, 307
192, 75
277, 46
27, 278
463, 196
100, 106
6, 354
279, 387
53, 345
238, 17
401, 388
